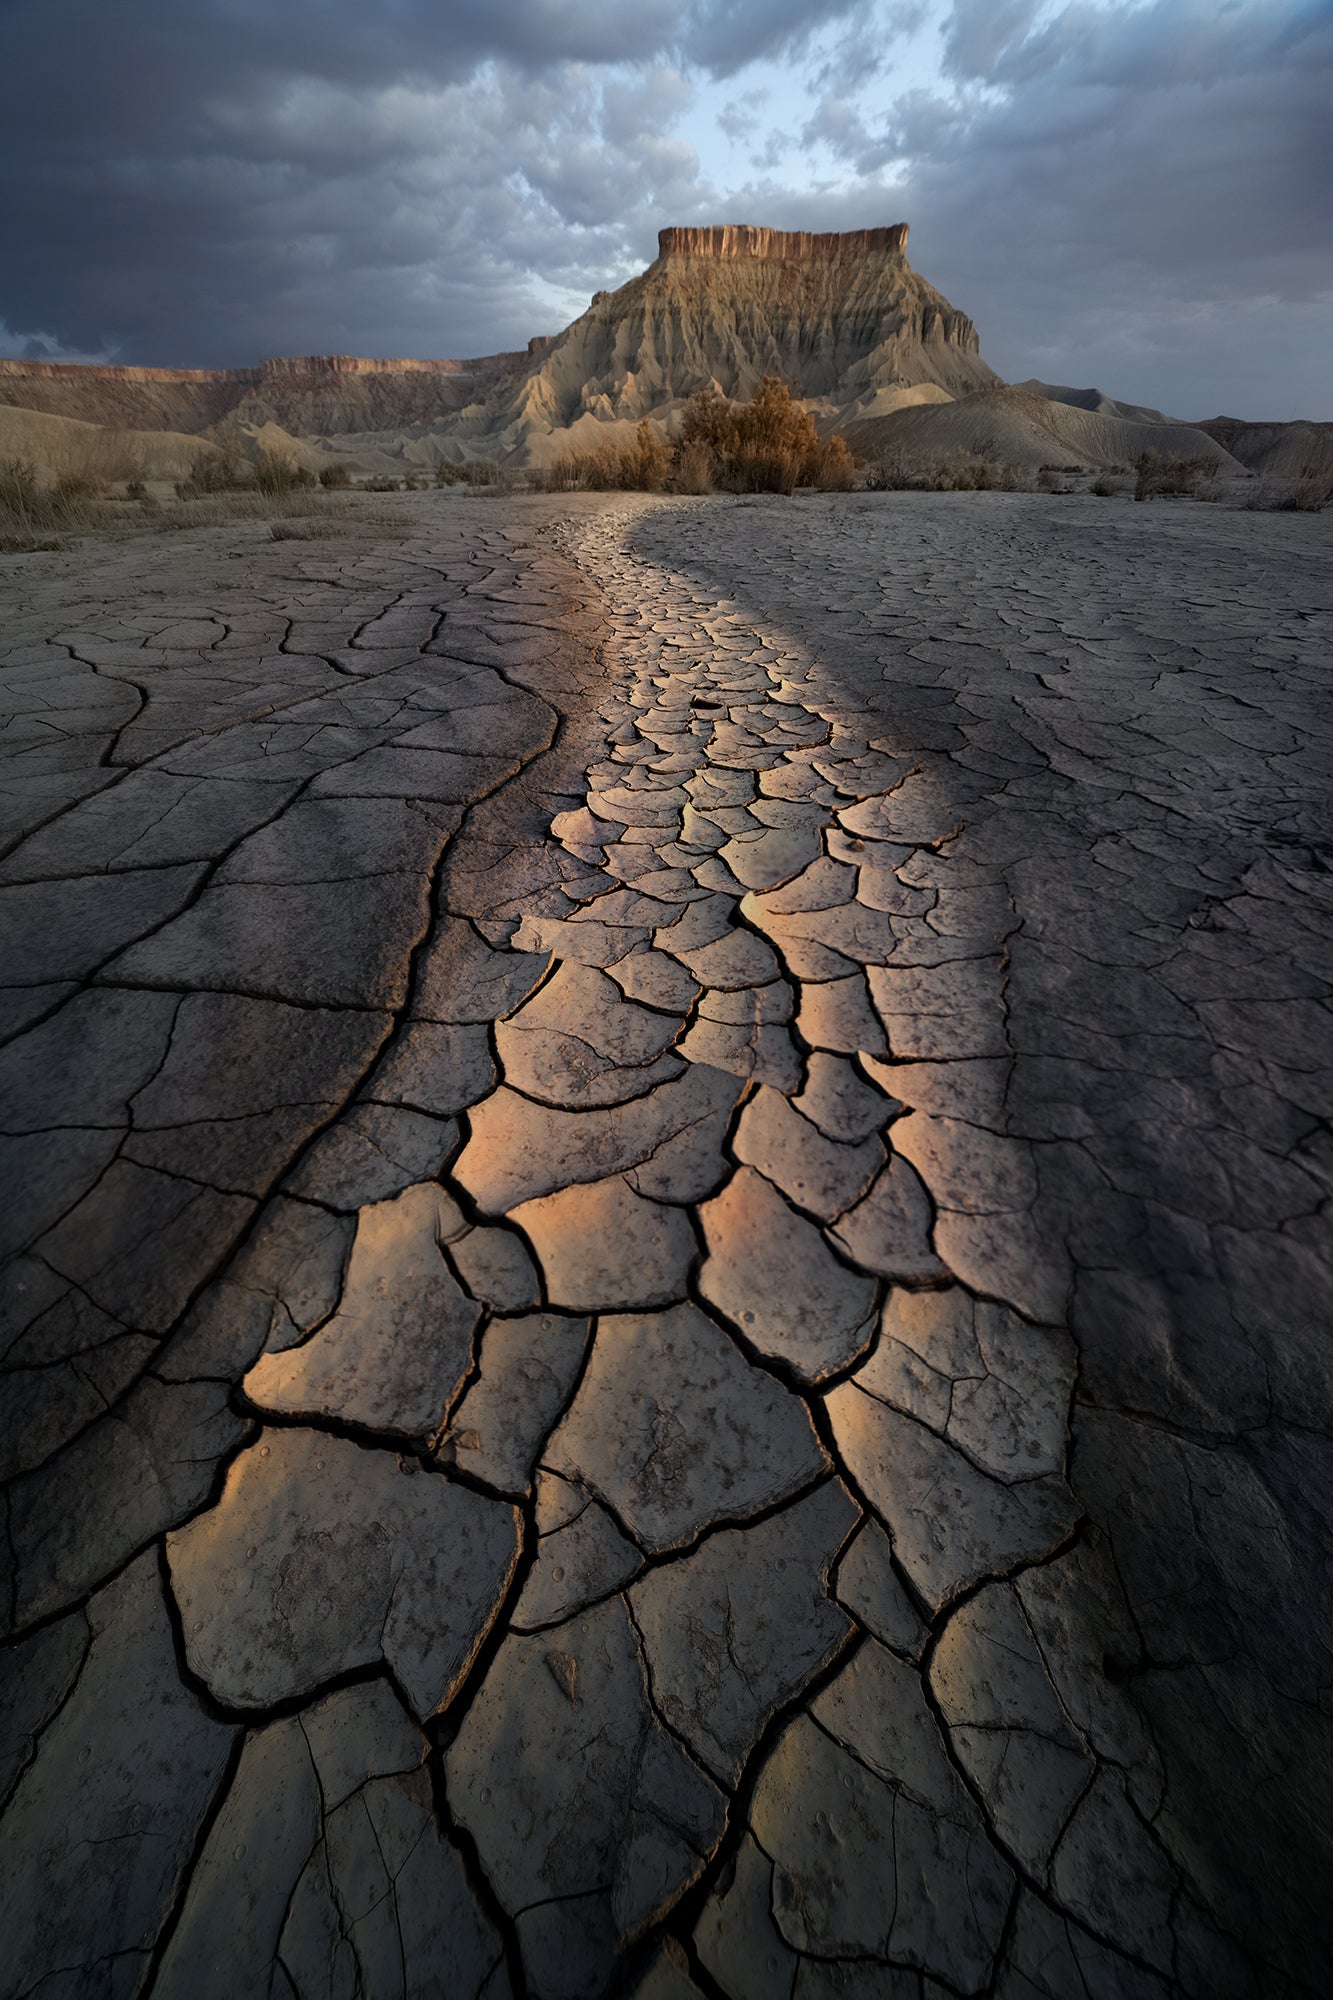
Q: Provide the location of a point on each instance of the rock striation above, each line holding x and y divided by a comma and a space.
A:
841, 316
306, 394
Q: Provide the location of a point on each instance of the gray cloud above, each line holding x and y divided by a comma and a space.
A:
1142, 194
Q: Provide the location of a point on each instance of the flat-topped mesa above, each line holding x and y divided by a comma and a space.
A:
742, 240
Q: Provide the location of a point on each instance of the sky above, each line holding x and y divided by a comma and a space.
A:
1131, 194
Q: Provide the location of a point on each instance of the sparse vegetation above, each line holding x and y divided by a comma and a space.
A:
224, 471
896, 473
32, 510
381, 483
277, 472
469, 472
334, 476
1168, 476
643, 467
769, 445
1307, 489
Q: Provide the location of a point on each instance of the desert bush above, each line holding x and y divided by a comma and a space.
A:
469, 472
692, 469
29, 506
1051, 479
278, 472
895, 473
136, 490
1105, 488
640, 467
23, 504
1306, 490
73, 490
220, 472
335, 475
1168, 476
892, 473
831, 466
768, 445
381, 482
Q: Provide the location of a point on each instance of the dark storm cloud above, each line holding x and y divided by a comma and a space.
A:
202, 180
1137, 193
1141, 195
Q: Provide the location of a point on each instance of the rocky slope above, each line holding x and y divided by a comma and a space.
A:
1028, 431
842, 317
308, 395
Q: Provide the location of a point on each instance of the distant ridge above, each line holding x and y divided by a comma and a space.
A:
1015, 427
841, 316
313, 394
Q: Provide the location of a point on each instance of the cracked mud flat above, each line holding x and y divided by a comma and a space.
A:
667, 1319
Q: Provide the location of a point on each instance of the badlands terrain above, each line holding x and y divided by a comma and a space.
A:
874, 350
667, 1269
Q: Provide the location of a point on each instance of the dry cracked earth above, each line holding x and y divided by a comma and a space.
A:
667, 1184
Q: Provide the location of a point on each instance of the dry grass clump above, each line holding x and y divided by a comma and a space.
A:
473, 472
1307, 489
1168, 476
277, 473
897, 473
335, 475
222, 472
641, 467
339, 525
33, 511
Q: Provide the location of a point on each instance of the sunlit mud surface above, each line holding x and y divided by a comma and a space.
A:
667, 1182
